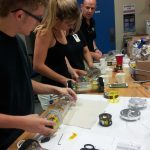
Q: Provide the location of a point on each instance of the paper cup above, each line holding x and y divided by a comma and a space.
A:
119, 59
120, 77
109, 72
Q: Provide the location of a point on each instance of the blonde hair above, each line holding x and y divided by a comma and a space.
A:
62, 10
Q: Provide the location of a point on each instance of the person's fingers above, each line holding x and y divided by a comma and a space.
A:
49, 123
48, 127
82, 72
97, 51
72, 94
48, 131
73, 81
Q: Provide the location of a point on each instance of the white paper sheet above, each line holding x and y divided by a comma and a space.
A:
85, 113
121, 134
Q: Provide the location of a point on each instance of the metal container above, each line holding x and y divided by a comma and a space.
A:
137, 103
130, 114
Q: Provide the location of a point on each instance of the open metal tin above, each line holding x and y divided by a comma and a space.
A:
130, 114
105, 119
137, 103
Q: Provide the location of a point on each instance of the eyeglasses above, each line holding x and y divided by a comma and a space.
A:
38, 18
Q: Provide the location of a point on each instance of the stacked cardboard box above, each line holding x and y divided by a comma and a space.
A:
142, 69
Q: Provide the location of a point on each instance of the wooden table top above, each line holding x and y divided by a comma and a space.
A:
133, 90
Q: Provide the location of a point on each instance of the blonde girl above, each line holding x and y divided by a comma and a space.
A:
51, 44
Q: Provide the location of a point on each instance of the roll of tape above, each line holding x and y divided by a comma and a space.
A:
111, 95
105, 119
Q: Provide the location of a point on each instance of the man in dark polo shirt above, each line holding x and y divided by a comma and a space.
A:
88, 27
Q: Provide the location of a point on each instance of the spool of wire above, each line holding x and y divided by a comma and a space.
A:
105, 119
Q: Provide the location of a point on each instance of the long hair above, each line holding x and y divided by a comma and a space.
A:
62, 10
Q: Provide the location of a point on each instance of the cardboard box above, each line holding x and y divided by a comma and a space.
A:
142, 70
132, 40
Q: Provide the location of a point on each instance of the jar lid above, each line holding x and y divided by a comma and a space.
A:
137, 103
130, 114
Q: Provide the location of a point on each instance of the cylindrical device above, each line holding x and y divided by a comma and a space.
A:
105, 119
101, 84
69, 84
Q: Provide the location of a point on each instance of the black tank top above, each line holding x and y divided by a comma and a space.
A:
75, 51
56, 61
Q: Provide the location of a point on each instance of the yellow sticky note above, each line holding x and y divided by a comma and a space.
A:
74, 135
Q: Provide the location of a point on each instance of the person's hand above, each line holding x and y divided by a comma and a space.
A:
96, 56
65, 81
36, 124
99, 52
80, 72
67, 92
74, 75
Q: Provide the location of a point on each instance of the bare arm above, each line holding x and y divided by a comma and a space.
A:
95, 56
87, 56
31, 123
94, 44
96, 49
75, 72
41, 88
42, 43
34, 123
71, 70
